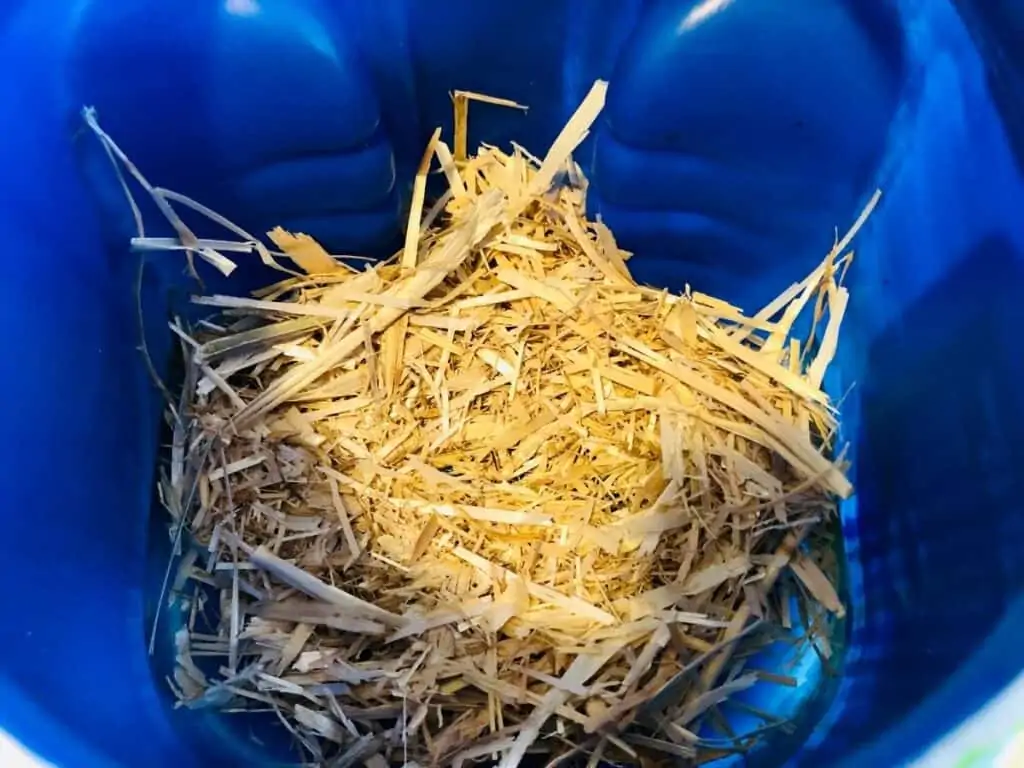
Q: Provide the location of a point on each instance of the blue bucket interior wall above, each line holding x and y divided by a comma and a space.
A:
733, 144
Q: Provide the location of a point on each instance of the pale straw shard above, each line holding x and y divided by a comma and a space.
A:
493, 497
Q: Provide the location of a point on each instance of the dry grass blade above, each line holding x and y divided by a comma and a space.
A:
494, 497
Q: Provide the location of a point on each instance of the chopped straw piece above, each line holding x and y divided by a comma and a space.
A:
494, 497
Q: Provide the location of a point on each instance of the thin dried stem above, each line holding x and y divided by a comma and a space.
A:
493, 497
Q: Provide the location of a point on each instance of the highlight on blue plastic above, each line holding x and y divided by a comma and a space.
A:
739, 134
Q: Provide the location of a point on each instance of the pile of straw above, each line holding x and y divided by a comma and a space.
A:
493, 497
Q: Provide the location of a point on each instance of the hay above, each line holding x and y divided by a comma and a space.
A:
492, 496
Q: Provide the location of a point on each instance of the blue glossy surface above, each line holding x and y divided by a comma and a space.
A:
732, 145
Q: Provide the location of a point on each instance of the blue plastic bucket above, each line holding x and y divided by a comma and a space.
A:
738, 135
